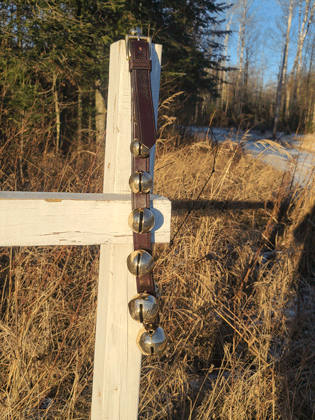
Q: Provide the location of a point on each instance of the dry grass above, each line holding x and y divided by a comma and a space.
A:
307, 142
238, 296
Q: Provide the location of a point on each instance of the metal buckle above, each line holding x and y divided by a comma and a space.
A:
136, 34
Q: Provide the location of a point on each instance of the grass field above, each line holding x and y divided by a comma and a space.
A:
237, 304
307, 142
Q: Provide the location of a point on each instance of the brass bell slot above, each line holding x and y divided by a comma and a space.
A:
143, 308
138, 149
140, 222
141, 313
138, 263
152, 340
140, 182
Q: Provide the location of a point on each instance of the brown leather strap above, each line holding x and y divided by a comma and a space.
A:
143, 116
143, 129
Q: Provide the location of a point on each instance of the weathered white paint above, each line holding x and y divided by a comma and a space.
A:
28, 218
117, 359
86, 219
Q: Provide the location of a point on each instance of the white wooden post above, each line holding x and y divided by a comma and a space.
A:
30, 219
118, 360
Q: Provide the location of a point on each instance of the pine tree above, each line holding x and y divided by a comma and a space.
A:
185, 29
55, 54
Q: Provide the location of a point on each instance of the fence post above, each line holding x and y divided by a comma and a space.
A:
117, 360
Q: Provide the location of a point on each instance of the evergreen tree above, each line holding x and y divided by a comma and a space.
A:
54, 61
186, 30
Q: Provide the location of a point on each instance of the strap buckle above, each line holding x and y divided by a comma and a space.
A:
137, 34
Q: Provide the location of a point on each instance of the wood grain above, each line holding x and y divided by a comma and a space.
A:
117, 361
29, 219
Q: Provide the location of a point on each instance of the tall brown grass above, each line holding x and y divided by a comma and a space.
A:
307, 142
237, 299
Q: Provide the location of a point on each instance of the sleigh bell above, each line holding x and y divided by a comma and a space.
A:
152, 341
139, 149
140, 182
141, 220
143, 308
140, 263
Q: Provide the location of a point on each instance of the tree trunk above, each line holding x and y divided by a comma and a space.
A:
245, 81
240, 62
100, 113
90, 136
196, 112
310, 86
288, 99
302, 35
226, 40
57, 112
295, 81
282, 72
79, 124
246, 17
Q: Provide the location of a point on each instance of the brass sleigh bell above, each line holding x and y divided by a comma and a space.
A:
141, 220
140, 263
139, 149
140, 182
143, 308
152, 341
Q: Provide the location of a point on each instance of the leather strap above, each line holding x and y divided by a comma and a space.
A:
141, 94
143, 129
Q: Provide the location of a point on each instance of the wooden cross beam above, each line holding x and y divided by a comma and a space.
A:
33, 219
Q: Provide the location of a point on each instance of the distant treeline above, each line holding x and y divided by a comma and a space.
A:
54, 63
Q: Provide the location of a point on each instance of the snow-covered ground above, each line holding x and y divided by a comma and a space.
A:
285, 154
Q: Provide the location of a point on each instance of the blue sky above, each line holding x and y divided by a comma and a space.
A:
269, 46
